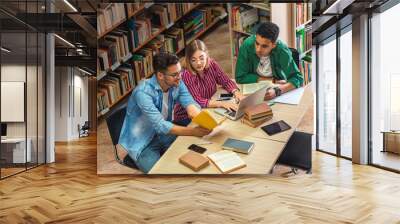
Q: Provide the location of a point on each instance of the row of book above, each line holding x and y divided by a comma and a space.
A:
199, 20
160, 14
114, 86
109, 17
237, 41
304, 39
305, 69
116, 46
303, 13
118, 83
133, 43
244, 18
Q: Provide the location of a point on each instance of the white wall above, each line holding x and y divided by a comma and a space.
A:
281, 15
71, 93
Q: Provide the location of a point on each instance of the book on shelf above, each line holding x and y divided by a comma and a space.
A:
113, 86
303, 13
244, 18
174, 40
207, 120
159, 15
132, 8
123, 58
227, 161
237, 145
110, 16
305, 69
194, 160
304, 39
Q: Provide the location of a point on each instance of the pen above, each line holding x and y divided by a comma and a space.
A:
223, 99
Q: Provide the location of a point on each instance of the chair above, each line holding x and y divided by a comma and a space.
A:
114, 123
84, 130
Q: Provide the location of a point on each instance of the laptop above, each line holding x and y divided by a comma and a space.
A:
255, 98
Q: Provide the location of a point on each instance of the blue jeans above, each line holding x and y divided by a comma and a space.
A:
153, 152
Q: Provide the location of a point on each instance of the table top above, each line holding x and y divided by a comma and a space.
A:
266, 148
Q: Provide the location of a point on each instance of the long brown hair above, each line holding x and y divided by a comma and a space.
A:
190, 50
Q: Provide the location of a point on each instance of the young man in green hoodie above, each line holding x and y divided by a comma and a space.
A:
263, 56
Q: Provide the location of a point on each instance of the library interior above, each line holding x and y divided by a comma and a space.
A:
181, 112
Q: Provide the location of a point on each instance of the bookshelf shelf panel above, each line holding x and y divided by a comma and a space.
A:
110, 72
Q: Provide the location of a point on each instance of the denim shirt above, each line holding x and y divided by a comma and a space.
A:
143, 118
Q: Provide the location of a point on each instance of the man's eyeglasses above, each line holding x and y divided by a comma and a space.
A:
174, 75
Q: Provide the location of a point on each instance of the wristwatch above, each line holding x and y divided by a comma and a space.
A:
277, 91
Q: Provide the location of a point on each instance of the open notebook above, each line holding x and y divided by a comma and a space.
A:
227, 161
248, 89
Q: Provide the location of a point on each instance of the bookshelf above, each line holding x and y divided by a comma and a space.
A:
302, 20
243, 21
127, 44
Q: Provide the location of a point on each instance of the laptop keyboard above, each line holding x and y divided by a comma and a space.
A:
231, 113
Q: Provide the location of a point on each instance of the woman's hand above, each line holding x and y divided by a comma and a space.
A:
229, 105
238, 95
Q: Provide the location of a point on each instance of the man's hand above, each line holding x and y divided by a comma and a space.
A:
192, 110
280, 82
200, 132
262, 78
270, 94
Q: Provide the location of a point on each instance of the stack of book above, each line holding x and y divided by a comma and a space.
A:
256, 115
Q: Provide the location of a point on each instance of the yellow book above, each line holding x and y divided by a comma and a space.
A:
206, 120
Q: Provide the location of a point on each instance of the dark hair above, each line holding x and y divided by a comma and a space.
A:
268, 30
163, 60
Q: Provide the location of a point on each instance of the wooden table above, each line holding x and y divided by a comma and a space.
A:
266, 151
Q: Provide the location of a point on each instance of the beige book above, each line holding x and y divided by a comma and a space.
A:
194, 160
227, 161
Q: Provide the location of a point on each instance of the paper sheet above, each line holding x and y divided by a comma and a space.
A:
291, 97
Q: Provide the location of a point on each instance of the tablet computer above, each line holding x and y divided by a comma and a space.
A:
276, 127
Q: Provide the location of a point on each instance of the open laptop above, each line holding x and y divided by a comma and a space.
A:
250, 100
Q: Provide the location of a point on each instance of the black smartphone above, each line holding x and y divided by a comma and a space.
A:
225, 95
197, 148
276, 127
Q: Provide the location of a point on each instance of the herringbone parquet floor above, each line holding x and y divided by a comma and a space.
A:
69, 191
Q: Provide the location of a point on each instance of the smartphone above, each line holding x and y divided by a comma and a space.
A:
225, 95
276, 127
197, 148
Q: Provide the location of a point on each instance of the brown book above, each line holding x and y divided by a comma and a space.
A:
256, 123
194, 160
258, 110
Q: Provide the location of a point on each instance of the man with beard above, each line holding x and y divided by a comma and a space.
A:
148, 130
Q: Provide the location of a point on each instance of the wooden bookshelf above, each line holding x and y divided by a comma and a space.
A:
128, 57
122, 21
235, 34
302, 19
